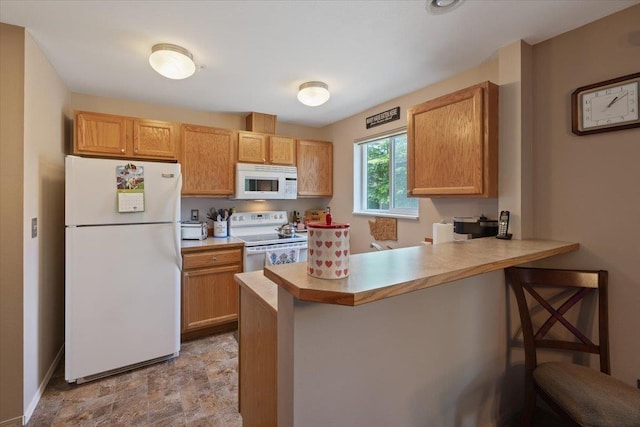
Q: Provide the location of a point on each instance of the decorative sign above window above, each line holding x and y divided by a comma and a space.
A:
384, 117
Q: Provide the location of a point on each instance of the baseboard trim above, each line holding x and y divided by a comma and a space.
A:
14, 422
41, 388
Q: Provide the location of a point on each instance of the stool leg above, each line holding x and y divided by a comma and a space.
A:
529, 403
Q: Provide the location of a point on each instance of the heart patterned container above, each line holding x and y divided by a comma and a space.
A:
328, 254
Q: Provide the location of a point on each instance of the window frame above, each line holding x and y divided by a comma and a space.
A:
360, 179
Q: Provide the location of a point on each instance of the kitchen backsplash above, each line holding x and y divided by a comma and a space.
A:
204, 204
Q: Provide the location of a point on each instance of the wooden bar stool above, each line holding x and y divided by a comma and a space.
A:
581, 395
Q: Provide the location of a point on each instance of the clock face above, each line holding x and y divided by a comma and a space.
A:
610, 105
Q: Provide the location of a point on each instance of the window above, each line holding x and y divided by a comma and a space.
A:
380, 176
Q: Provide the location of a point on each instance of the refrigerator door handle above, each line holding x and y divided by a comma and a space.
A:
176, 222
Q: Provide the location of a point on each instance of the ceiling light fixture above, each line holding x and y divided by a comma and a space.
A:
172, 61
313, 93
437, 7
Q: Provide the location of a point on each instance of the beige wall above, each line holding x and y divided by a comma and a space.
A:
586, 187
33, 101
344, 133
11, 201
45, 103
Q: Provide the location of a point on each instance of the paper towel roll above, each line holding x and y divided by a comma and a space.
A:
442, 232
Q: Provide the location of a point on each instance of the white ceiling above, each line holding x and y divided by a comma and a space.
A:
256, 53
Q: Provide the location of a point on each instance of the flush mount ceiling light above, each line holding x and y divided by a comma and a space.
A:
172, 61
313, 93
437, 7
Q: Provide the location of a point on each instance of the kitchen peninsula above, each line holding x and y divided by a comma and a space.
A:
414, 336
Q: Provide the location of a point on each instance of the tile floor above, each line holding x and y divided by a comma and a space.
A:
199, 388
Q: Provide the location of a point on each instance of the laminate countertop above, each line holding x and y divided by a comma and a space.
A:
377, 275
210, 243
261, 287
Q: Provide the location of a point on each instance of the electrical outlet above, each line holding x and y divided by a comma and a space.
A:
34, 228
195, 214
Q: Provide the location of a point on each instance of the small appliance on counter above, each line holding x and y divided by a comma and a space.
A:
474, 227
193, 230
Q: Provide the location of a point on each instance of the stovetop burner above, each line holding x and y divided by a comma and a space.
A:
259, 228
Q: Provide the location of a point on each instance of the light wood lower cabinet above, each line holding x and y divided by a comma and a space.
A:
209, 292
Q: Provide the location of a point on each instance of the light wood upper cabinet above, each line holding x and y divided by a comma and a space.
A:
207, 156
108, 135
100, 134
315, 168
256, 147
155, 139
282, 150
260, 122
252, 147
453, 144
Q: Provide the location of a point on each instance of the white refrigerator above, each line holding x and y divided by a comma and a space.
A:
122, 265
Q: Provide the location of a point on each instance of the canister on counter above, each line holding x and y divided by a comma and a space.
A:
328, 253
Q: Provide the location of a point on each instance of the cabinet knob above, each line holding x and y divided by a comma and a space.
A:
135, 151
214, 258
122, 150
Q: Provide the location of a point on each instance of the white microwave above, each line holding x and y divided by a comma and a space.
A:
266, 181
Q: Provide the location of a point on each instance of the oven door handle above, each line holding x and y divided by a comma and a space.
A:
252, 250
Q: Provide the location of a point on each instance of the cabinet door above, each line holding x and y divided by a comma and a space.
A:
101, 134
282, 150
315, 168
452, 144
154, 139
207, 156
252, 147
209, 297
260, 122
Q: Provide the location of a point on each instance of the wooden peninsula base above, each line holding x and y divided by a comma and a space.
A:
258, 338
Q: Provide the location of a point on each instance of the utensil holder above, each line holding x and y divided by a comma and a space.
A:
219, 228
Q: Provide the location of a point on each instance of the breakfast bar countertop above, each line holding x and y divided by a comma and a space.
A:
377, 275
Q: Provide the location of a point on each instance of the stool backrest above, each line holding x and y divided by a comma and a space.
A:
580, 283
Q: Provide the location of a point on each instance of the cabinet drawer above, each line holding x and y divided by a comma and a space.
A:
211, 258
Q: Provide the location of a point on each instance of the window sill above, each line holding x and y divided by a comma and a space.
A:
387, 215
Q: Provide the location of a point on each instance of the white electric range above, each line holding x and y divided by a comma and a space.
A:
263, 245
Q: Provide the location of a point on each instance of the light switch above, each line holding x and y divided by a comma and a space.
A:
34, 227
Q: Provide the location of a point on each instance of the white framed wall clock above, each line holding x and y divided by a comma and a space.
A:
606, 106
